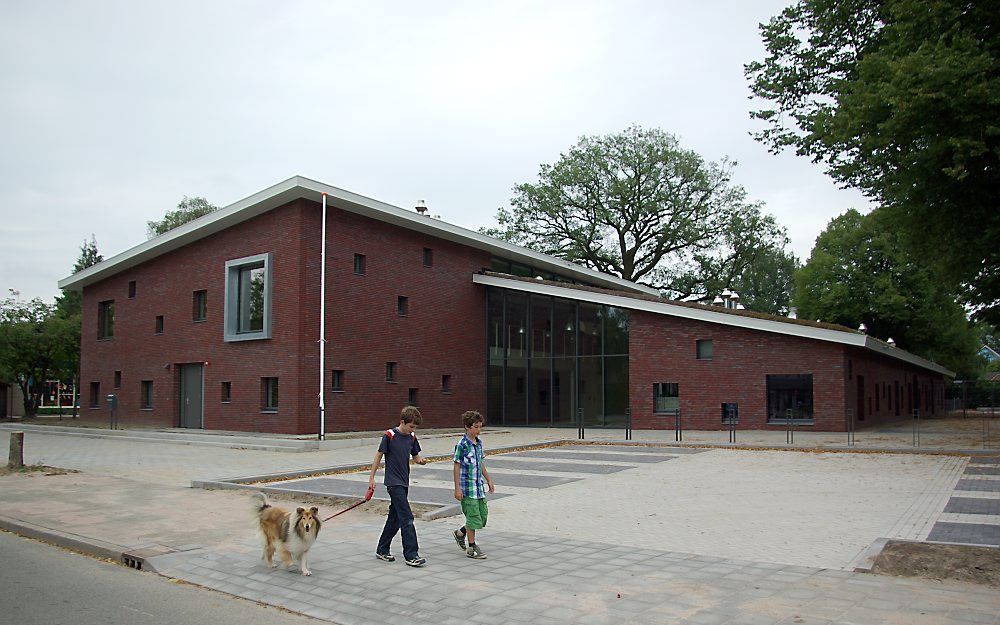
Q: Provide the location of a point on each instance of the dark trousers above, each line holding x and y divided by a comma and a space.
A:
400, 519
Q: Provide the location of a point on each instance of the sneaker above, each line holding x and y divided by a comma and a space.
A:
418, 561
459, 538
475, 552
388, 557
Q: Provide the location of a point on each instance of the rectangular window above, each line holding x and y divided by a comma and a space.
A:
199, 306
338, 380
428, 257
445, 383
730, 412
790, 393
412, 397
878, 398
666, 397
390, 372
402, 305
146, 398
704, 349
118, 379
227, 392
359, 264
159, 324
269, 394
248, 298
106, 319
95, 394
131, 289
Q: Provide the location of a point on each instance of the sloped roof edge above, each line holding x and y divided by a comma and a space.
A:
756, 321
301, 187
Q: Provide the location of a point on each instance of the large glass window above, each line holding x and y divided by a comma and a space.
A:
516, 325
248, 298
789, 393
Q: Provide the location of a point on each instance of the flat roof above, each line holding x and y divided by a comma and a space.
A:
299, 187
699, 312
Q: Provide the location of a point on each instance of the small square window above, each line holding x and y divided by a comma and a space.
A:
269, 394
412, 397
95, 394
390, 372
428, 257
159, 324
402, 305
118, 379
106, 319
131, 289
199, 305
359, 264
730, 413
666, 397
146, 400
445, 383
704, 349
227, 392
338, 380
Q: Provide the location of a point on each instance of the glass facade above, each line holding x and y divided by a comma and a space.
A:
553, 361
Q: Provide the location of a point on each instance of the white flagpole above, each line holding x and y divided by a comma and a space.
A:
322, 326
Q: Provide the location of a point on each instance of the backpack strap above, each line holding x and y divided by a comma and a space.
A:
390, 433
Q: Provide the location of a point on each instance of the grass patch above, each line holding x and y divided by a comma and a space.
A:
31, 469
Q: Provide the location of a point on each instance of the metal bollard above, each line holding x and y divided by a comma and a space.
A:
849, 417
731, 416
789, 427
628, 424
678, 431
580, 432
916, 427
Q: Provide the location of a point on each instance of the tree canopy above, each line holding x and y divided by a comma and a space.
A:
859, 273
638, 205
901, 99
190, 208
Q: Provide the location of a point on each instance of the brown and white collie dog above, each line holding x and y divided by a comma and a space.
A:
290, 533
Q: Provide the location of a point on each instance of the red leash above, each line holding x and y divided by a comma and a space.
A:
368, 496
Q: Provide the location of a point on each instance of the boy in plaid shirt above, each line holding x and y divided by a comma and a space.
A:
469, 473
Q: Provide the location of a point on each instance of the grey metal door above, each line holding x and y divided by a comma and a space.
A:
192, 392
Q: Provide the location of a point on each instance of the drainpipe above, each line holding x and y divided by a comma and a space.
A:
322, 325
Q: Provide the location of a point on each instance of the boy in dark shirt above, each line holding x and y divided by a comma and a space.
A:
398, 445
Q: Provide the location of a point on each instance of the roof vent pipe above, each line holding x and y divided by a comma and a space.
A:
421, 207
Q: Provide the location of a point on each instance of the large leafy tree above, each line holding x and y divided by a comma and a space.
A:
859, 272
638, 205
69, 307
34, 346
190, 208
901, 99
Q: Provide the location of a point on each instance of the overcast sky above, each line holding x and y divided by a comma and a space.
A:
111, 112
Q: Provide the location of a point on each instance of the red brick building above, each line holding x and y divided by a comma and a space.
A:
216, 324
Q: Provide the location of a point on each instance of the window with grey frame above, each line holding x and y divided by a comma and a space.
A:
199, 305
248, 298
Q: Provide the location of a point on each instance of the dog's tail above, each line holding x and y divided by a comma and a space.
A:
260, 503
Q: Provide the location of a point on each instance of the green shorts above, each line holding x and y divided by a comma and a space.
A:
475, 511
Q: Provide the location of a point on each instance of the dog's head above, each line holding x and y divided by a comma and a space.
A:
307, 520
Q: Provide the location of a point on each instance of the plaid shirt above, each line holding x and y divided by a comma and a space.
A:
469, 455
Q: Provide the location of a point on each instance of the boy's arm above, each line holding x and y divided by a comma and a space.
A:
419, 459
456, 473
375, 463
489, 480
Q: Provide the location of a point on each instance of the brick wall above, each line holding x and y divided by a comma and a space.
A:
881, 390
441, 335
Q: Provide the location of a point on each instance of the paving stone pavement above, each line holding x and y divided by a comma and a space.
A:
534, 579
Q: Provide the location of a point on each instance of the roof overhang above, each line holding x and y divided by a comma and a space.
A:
298, 187
707, 314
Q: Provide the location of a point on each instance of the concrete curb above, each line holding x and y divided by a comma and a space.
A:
75, 542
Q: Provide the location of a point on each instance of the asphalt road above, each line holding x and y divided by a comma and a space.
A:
45, 585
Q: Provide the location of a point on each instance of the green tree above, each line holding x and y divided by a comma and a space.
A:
33, 346
901, 99
69, 306
638, 205
190, 208
859, 273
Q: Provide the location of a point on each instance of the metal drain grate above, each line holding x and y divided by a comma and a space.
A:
132, 563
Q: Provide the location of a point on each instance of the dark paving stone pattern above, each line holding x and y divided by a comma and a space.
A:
339, 487
985, 460
990, 486
968, 533
555, 467
982, 470
971, 505
634, 449
592, 455
509, 479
